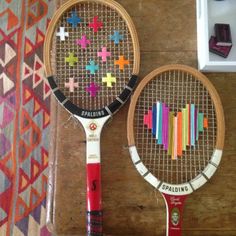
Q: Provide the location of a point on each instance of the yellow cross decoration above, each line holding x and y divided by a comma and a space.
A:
71, 59
109, 80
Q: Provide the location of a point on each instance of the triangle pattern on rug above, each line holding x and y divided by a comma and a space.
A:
44, 231
27, 71
37, 107
37, 10
33, 140
3, 214
44, 157
7, 83
17, 231
12, 20
4, 182
24, 180
46, 119
21, 208
29, 47
6, 115
9, 54
35, 169
39, 37
35, 198
5, 145
36, 213
22, 225
38, 71
46, 89
27, 94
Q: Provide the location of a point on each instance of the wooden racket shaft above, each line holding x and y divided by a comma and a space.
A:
91, 57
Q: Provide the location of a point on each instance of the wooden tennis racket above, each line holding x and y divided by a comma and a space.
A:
175, 134
91, 57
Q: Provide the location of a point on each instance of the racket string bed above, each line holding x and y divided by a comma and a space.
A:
171, 85
100, 39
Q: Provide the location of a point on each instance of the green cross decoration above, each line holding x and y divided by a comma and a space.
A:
71, 59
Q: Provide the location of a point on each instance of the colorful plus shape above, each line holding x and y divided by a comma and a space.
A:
104, 54
175, 131
83, 42
92, 89
71, 59
116, 37
109, 80
95, 24
71, 85
62, 34
121, 62
74, 19
92, 67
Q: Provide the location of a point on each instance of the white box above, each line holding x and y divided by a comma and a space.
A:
210, 12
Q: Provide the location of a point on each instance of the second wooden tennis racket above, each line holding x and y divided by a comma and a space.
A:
176, 135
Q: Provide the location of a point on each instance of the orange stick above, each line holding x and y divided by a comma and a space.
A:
205, 122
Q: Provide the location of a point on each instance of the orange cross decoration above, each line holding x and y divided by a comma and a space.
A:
121, 62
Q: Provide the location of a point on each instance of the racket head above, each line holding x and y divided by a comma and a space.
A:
92, 68
175, 86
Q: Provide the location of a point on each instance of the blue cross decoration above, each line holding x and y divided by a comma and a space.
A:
74, 19
92, 67
116, 37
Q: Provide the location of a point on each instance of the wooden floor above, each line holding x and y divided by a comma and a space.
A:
167, 34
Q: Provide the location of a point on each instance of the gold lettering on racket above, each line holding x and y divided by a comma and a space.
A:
92, 156
92, 138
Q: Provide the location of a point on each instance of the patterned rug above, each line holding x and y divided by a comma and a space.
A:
24, 117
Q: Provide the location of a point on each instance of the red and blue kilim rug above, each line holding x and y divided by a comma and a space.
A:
24, 117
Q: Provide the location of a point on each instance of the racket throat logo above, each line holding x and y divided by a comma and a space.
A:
93, 126
92, 114
175, 216
175, 189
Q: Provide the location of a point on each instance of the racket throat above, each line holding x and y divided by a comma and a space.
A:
174, 213
93, 129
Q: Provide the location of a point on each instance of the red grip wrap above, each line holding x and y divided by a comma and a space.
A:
94, 204
175, 206
94, 187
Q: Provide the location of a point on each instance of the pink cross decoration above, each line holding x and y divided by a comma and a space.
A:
93, 89
83, 42
96, 25
71, 85
104, 54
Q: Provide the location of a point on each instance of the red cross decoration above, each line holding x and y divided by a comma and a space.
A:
96, 25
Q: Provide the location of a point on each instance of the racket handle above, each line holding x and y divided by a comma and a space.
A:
94, 205
174, 207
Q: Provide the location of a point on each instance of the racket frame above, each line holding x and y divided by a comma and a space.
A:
180, 191
88, 117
